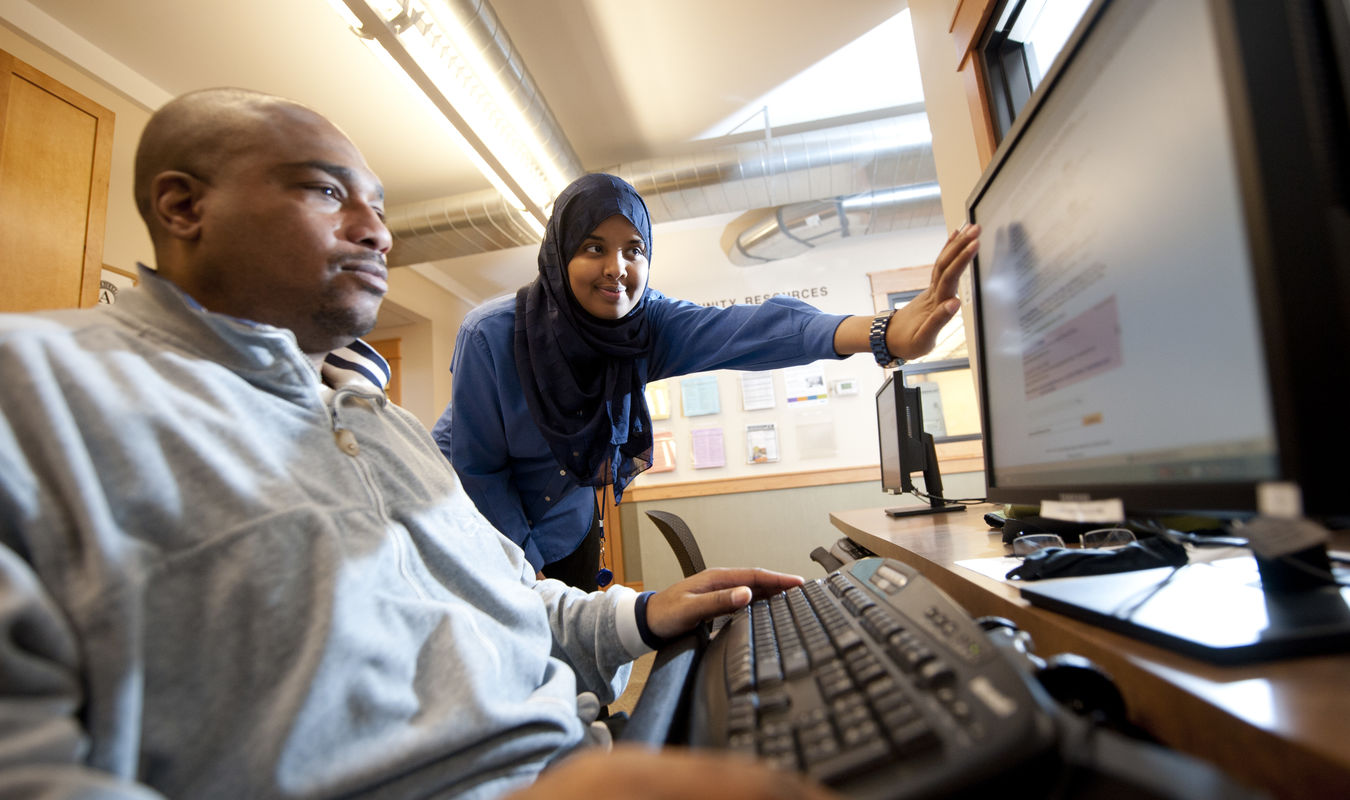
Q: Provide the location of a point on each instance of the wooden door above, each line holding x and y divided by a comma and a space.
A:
55, 155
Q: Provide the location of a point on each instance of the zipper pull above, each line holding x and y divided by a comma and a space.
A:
346, 442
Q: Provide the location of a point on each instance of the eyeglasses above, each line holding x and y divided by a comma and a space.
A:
1107, 538
1100, 539
1024, 546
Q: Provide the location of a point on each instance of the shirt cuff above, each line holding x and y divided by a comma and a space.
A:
625, 620
650, 639
819, 335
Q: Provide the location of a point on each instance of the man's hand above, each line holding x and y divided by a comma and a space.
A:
710, 594
667, 775
914, 329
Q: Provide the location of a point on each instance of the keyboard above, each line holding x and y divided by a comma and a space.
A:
846, 550
872, 681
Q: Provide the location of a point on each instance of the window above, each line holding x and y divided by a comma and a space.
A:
950, 409
1018, 49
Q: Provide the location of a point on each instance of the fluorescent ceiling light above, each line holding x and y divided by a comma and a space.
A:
426, 41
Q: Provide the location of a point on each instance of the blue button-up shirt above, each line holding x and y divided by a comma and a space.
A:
502, 458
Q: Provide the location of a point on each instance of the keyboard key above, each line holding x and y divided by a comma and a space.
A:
914, 739
859, 733
768, 672
885, 694
741, 679
935, 674
850, 761
819, 750
846, 638
846, 703
774, 700
899, 717
834, 685
857, 601
795, 661
744, 743
867, 670
854, 719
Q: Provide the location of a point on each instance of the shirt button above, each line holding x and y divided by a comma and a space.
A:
576, 453
562, 472
548, 499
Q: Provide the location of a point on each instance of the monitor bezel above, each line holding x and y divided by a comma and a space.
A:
1274, 178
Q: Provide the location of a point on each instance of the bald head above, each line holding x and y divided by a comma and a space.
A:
200, 133
261, 209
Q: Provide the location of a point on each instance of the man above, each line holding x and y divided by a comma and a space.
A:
228, 568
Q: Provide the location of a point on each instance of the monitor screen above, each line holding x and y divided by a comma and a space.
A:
1125, 331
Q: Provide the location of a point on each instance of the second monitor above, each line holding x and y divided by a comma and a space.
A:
906, 448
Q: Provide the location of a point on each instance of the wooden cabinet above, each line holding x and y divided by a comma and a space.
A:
55, 154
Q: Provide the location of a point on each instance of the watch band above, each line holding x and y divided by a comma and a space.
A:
876, 339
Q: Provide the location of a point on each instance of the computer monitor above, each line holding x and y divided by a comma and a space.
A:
906, 448
1162, 290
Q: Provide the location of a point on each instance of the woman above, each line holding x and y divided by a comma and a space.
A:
548, 405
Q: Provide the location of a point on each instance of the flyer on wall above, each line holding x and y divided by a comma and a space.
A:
761, 443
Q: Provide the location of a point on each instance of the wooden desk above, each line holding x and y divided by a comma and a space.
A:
1283, 725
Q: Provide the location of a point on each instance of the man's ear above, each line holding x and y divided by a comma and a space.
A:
175, 198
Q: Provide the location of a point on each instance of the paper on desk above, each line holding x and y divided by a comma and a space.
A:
998, 567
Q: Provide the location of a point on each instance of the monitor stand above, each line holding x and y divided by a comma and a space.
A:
914, 511
932, 482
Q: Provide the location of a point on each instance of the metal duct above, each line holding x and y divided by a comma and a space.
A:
793, 229
849, 161
486, 34
796, 168
482, 221
844, 161
456, 226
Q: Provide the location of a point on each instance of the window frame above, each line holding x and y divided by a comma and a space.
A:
994, 66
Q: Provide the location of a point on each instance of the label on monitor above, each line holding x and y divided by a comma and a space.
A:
1112, 510
1283, 500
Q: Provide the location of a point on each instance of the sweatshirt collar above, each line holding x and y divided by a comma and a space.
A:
356, 365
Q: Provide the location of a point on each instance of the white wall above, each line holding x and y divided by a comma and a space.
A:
427, 343
944, 93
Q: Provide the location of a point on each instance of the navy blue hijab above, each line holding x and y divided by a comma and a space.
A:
579, 372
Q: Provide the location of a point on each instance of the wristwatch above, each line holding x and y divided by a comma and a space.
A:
876, 338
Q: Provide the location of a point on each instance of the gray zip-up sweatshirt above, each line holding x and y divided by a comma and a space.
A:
219, 578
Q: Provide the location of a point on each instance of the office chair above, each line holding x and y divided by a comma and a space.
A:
681, 540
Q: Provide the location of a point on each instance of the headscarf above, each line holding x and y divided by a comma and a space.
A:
579, 372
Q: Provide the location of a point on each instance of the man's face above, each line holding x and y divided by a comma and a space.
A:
293, 234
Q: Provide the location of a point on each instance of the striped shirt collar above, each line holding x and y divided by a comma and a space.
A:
357, 363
